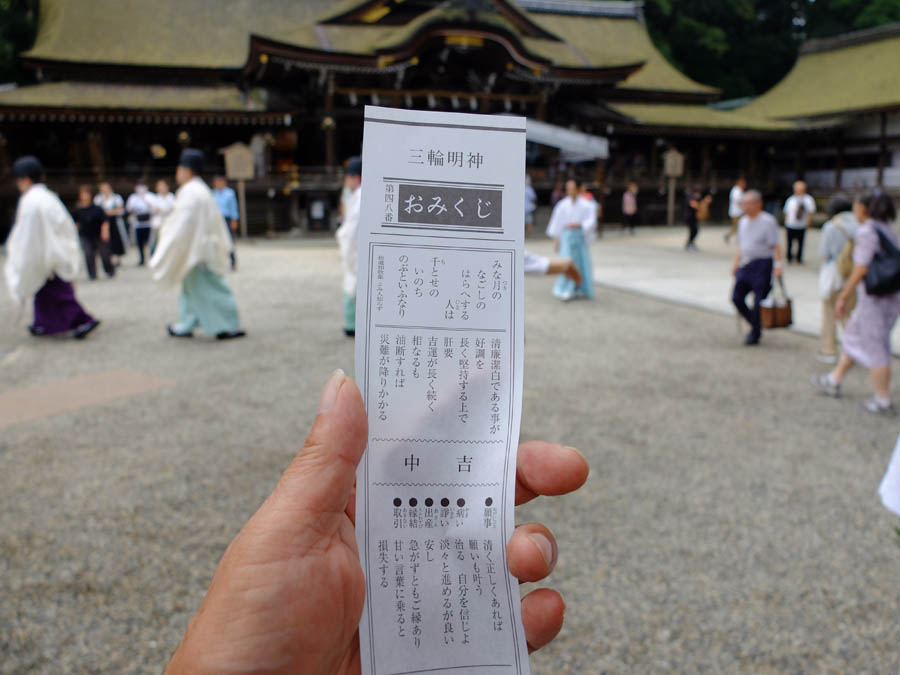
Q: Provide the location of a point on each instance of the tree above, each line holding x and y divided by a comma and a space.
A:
18, 26
744, 47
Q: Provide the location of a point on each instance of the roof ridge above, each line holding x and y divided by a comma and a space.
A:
626, 9
852, 39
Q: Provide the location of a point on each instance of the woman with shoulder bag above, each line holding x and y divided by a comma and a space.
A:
867, 338
837, 235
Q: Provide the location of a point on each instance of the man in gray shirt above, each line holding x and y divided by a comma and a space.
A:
753, 264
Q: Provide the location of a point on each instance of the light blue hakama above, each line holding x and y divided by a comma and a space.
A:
206, 301
572, 244
350, 312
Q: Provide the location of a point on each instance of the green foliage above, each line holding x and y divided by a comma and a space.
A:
745, 46
17, 30
878, 13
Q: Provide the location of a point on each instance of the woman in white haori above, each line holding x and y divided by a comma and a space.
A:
572, 225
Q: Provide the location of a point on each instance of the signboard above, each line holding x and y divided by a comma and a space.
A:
673, 164
239, 162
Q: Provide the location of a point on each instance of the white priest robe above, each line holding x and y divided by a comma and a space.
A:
43, 242
194, 233
567, 212
347, 236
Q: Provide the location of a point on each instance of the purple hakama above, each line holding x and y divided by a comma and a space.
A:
56, 310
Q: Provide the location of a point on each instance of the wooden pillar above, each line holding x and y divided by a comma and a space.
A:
330, 127
654, 159
706, 163
542, 106
742, 168
800, 167
751, 163
839, 162
882, 149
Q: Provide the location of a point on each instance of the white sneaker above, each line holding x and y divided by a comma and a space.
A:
873, 405
827, 358
824, 385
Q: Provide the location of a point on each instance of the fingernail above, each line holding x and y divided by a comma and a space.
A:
545, 547
332, 387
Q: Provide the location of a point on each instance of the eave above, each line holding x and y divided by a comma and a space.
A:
400, 56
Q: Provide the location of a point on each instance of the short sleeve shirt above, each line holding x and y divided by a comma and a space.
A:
90, 221
757, 237
735, 199
794, 217
868, 242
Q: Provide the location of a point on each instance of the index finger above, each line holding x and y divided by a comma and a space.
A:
544, 468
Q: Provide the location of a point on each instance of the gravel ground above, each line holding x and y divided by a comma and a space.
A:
730, 524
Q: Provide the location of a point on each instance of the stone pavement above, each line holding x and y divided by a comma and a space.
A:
730, 523
655, 263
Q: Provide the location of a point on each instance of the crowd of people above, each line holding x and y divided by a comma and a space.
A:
48, 244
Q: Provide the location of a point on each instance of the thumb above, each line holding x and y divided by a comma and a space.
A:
321, 477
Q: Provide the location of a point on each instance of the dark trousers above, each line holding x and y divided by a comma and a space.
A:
795, 236
92, 246
693, 229
231, 232
56, 310
630, 221
141, 237
754, 277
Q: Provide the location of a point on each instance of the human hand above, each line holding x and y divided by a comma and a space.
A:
734, 269
288, 593
573, 272
777, 272
556, 245
840, 306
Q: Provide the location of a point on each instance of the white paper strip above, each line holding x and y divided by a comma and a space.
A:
439, 361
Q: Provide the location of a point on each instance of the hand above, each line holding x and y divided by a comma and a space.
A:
288, 593
556, 245
734, 269
777, 272
234, 226
104, 233
572, 271
840, 307
573, 226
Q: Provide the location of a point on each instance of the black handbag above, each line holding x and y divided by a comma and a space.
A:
883, 276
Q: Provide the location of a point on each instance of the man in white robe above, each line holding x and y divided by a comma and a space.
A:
44, 256
348, 236
193, 249
572, 226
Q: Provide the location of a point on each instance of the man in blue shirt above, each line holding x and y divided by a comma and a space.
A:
228, 205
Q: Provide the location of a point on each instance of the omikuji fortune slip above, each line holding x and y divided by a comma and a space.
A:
439, 360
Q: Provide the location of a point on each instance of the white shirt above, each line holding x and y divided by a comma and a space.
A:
138, 203
348, 237
566, 212
43, 242
792, 218
194, 234
114, 201
735, 197
162, 206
